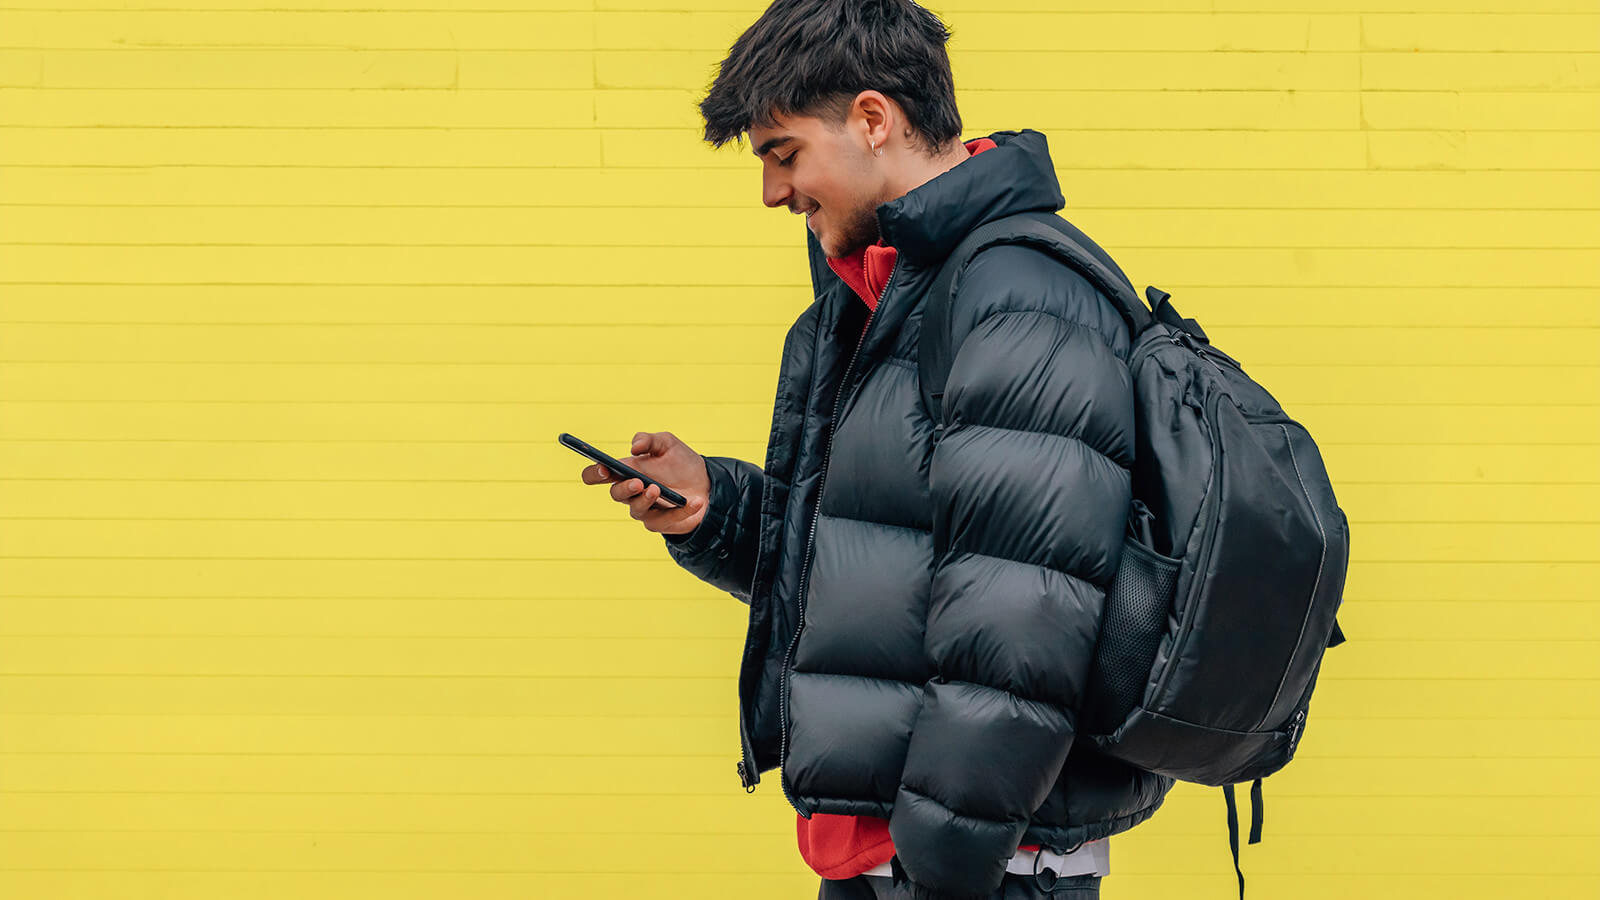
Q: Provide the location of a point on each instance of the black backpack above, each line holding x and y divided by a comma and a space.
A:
1234, 562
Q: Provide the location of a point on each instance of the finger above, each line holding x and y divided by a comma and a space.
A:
641, 503
661, 519
624, 491
644, 444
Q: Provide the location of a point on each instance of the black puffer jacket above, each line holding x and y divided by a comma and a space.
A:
951, 588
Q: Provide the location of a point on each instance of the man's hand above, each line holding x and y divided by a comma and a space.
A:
670, 461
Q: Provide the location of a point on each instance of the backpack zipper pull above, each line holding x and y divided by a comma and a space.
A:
1294, 729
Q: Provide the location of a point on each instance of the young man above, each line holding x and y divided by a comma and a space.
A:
924, 596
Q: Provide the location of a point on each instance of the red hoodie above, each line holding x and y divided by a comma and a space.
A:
840, 846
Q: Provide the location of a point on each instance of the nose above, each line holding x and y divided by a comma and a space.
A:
775, 189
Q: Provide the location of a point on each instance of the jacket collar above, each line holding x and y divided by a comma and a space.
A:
1015, 176
924, 225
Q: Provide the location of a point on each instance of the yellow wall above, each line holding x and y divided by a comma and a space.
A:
299, 596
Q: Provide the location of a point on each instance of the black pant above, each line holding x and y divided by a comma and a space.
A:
1012, 887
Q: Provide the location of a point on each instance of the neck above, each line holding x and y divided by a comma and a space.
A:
919, 170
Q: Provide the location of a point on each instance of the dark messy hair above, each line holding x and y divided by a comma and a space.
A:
813, 57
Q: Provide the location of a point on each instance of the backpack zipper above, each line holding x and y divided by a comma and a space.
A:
1294, 729
1184, 339
805, 565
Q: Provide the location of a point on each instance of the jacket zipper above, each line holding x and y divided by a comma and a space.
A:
748, 776
805, 565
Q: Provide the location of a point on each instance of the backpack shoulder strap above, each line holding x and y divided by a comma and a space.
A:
1046, 232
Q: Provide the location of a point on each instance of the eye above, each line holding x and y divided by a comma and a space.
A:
785, 162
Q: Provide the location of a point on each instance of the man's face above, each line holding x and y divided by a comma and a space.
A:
828, 172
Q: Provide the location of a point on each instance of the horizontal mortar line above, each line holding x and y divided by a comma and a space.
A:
675, 129
1385, 679
608, 871
749, 206
1206, 835
755, 443
341, 715
784, 246
742, 170
487, 323
581, 520
588, 598
636, 599
509, 676
242, 480
19, 398
251, 635
1280, 326
688, 755
565, 832
636, 324
705, 793
682, 598
698, 402
644, 756
490, 637
454, 90
1409, 52
585, 402
610, 560
605, 365
794, 286
980, 9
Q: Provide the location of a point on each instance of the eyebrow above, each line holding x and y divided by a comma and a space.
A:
773, 142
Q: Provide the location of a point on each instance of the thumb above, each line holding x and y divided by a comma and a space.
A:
641, 443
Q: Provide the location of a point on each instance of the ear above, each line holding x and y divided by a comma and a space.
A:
875, 115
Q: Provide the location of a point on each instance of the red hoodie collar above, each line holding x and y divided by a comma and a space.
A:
867, 270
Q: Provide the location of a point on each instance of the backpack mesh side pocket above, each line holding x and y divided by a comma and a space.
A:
1138, 612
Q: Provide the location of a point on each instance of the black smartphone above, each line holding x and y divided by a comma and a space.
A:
621, 468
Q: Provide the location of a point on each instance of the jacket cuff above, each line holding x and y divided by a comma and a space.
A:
913, 890
711, 533
955, 856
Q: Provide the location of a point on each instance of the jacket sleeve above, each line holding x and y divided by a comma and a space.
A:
721, 550
1030, 488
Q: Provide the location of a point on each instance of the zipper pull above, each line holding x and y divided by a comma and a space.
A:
1294, 729
744, 778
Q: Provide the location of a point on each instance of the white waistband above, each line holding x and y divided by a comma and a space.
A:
1093, 858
